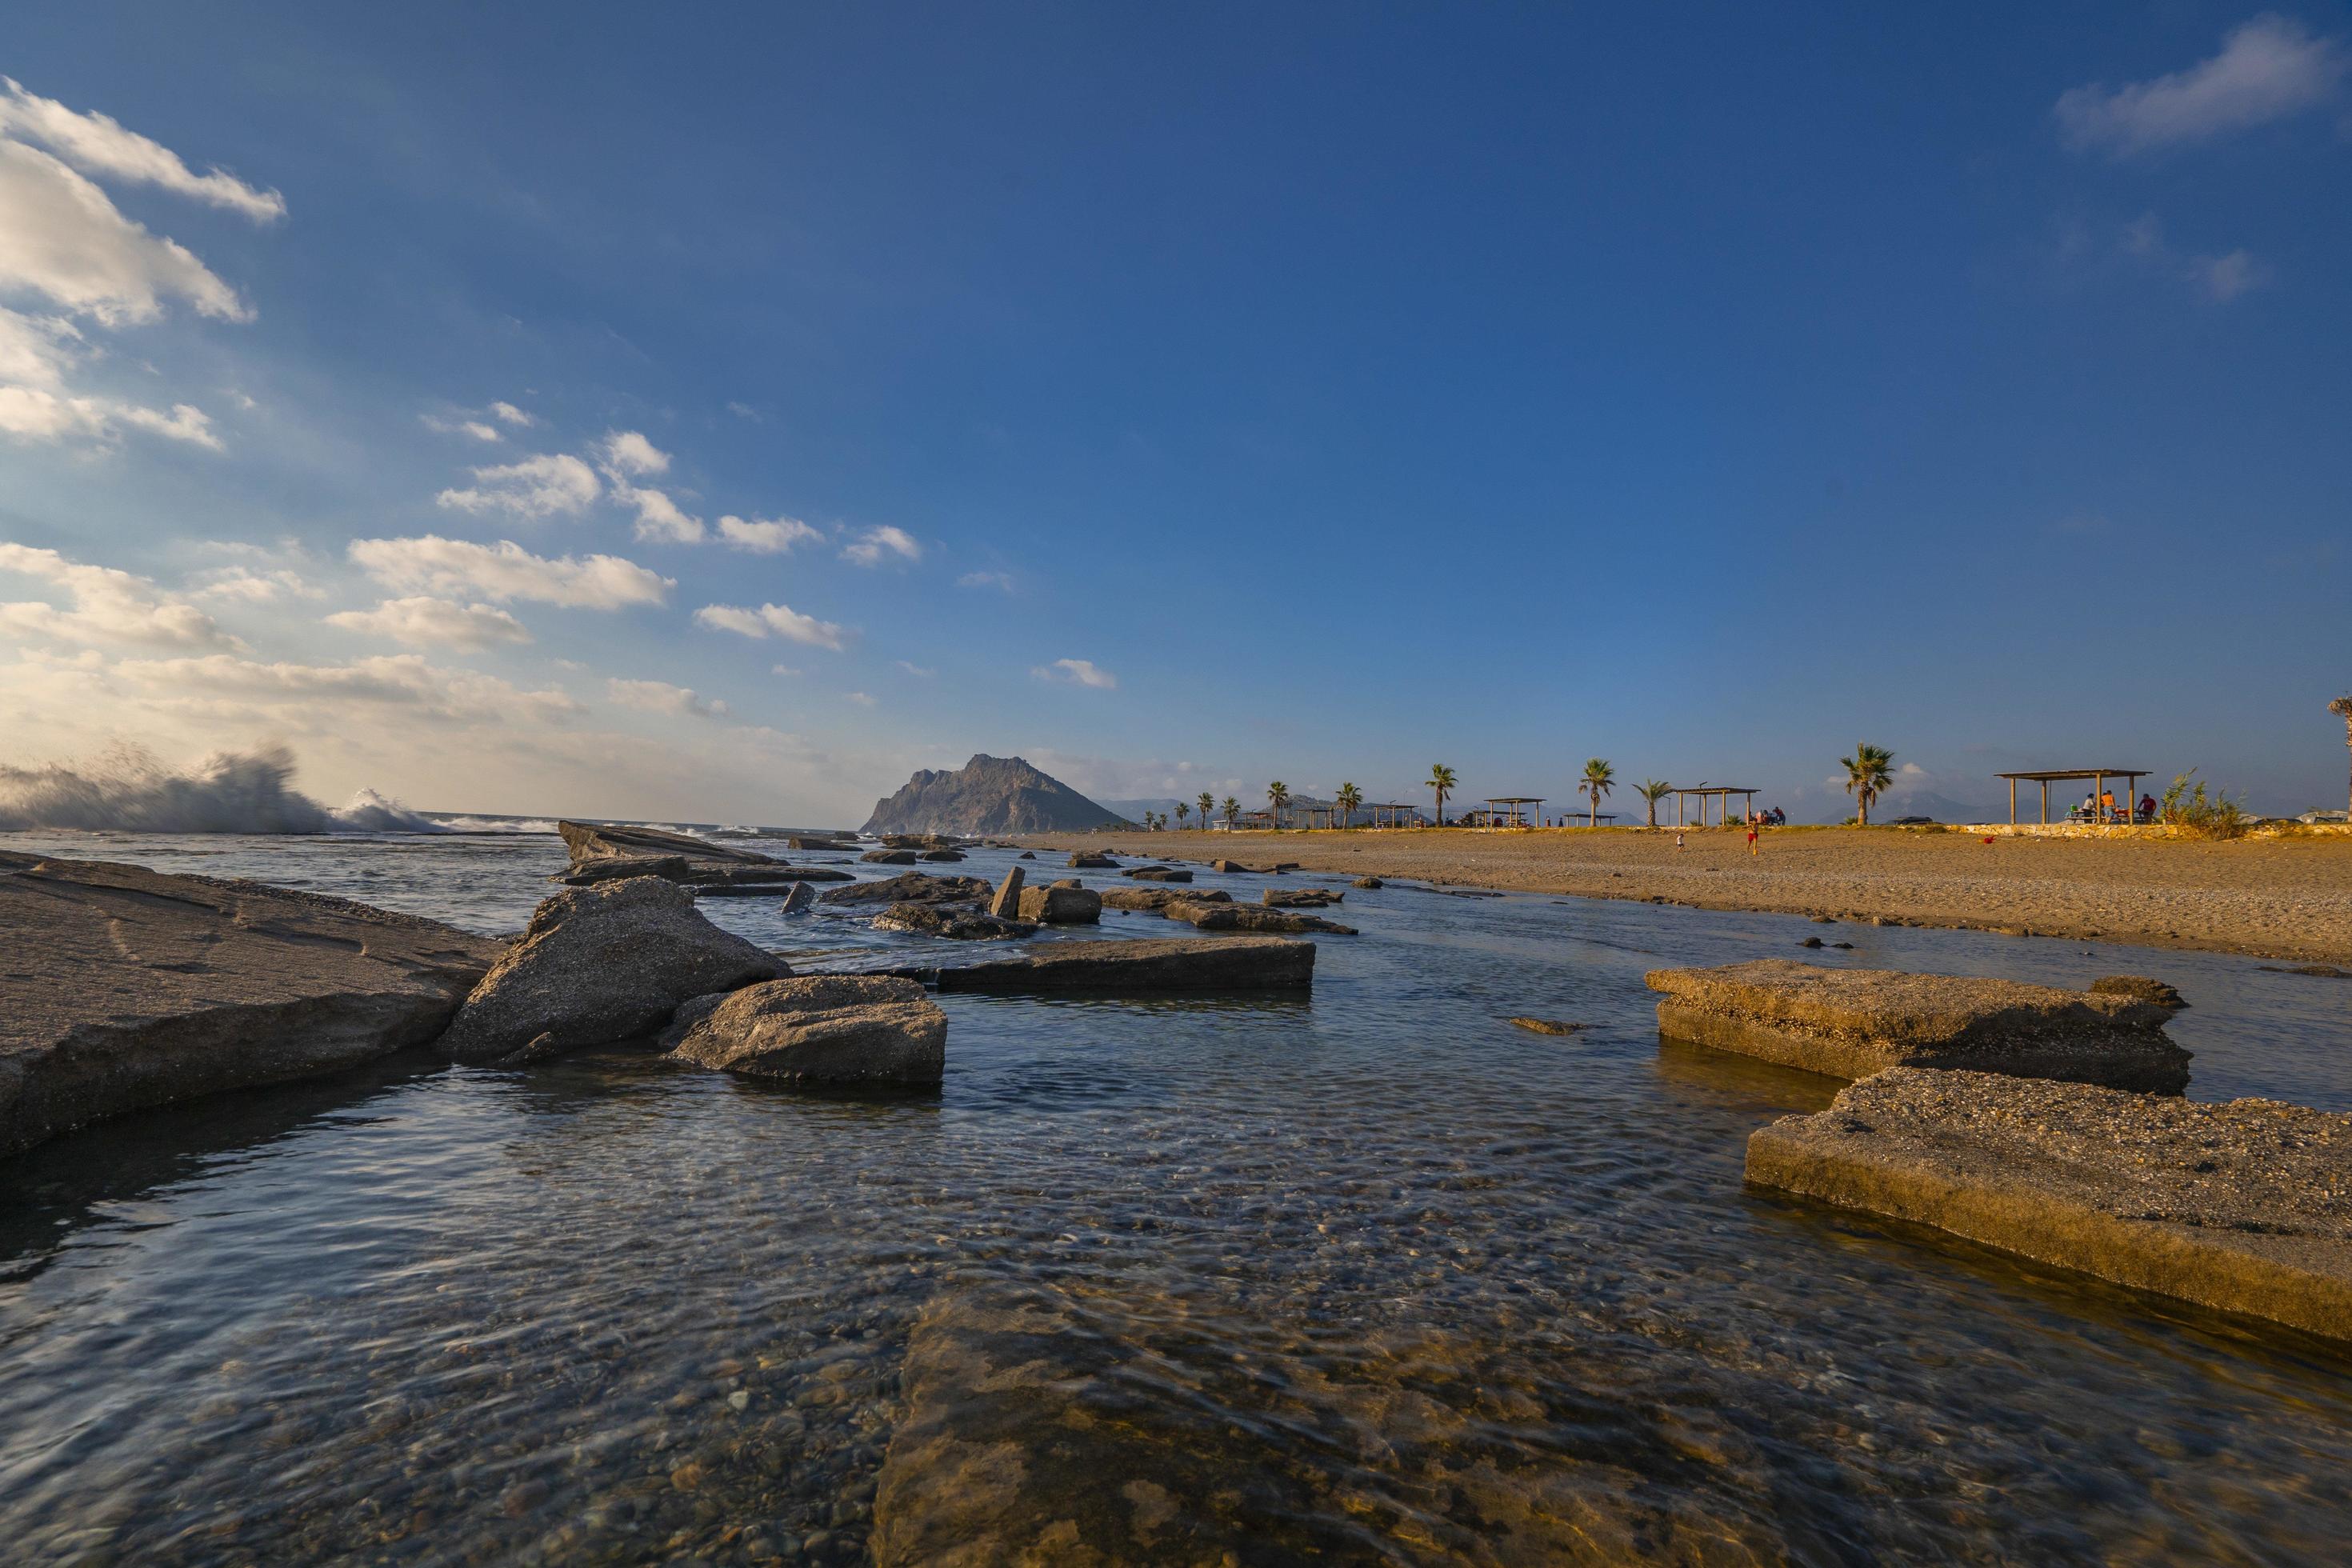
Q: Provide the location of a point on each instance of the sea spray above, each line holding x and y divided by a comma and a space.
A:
127, 789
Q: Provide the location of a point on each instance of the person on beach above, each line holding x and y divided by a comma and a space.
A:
1751, 836
1678, 837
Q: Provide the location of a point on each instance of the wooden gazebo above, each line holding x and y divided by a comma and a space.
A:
1723, 793
2045, 777
1512, 810
1391, 813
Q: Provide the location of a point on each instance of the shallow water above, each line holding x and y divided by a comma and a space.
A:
1378, 1275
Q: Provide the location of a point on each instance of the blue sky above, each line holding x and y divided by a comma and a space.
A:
1179, 397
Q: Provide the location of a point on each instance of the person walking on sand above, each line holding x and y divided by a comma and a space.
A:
1751, 837
1678, 838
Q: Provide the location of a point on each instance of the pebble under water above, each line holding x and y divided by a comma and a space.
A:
1373, 1276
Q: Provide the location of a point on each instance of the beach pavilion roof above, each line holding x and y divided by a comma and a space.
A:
2045, 777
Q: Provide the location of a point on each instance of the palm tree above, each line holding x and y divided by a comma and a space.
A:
1277, 795
1347, 799
1867, 773
1233, 812
1598, 778
1653, 791
1183, 810
1207, 805
1440, 780
2342, 709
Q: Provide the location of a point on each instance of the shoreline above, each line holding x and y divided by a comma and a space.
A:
2287, 898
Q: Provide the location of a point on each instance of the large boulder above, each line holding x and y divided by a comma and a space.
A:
126, 988
1851, 1023
1174, 964
2239, 1207
953, 922
912, 887
1059, 905
598, 964
853, 1030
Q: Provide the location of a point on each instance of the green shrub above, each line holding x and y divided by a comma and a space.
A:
2200, 816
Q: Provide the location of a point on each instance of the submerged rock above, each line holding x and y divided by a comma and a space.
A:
1060, 905
2241, 1206
1300, 898
888, 856
942, 855
1157, 874
1370, 882
840, 1029
1172, 963
1090, 860
598, 964
126, 988
1203, 916
911, 887
1155, 901
1547, 1026
950, 921
1851, 1023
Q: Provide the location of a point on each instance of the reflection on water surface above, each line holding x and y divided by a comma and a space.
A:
1376, 1277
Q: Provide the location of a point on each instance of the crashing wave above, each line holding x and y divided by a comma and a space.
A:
128, 790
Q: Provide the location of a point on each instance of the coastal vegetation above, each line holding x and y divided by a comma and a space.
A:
1599, 776
1208, 805
2342, 709
1653, 791
1277, 795
1867, 773
1441, 782
1347, 800
2199, 815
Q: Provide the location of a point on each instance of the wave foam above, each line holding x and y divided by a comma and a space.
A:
128, 790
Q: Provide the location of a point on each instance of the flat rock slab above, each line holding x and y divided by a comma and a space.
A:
1851, 1023
128, 988
912, 888
1175, 963
1203, 916
953, 922
2245, 1206
1154, 900
599, 841
1157, 874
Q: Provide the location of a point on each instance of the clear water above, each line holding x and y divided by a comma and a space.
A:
1400, 1276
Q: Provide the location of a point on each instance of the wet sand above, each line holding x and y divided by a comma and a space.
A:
2286, 898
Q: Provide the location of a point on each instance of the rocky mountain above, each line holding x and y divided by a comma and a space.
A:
987, 794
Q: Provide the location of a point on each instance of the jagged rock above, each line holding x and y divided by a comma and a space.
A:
801, 900
1089, 860
1547, 1026
1060, 905
1300, 898
598, 964
1205, 916
988, 795
2238, 1207
1369, 883
911, 887
1155, 901
888, 856
1172, 963
1157, 874
809, 841
606, 841
1027, 855
126, 988
2140, 986
607, 854
1233, 867
952, 921
1851, 1023
1006, 904
840, 1029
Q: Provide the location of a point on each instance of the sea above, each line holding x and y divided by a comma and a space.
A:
1366, 1276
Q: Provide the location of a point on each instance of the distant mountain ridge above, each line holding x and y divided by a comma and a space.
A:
989, 795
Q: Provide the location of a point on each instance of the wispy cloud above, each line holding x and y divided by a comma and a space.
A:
459, 426
661, 697
780, 620
2268, 70
876, 543
916, 670
246, 584
552, 485
767, 536
860, 698
2223, 278
434, 623
508, 413
506, 571
1000, 581
98, 144
1076, 672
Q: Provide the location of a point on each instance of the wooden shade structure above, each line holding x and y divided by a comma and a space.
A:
2045, 777
1511, 810
1704, 791
1390, 813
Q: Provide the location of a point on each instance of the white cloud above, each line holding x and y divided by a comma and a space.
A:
785, 669
244, 585
1076, 672
876, 542
506, 571
61, 237
394, 680
916, 670
659, 517
97, 143
474, 428
36, 414
2227, 276
998, 580
627, 452
2267, 69
745, 411
860, 698
534, 488
780, 619
108, 605
766, 536
661, 697
508, 413
434, 623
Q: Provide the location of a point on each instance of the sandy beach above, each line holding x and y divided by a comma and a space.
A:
2286, 898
